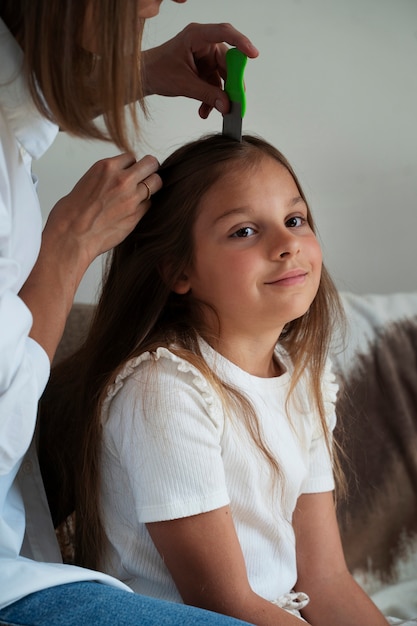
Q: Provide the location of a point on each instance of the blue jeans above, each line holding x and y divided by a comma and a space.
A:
95, 604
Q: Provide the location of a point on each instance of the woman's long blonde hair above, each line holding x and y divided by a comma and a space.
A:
138, 311
70, 85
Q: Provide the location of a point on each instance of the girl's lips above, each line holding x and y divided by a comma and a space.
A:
293, 277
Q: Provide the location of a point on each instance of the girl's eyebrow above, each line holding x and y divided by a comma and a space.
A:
248, 210
295, 201
236, 211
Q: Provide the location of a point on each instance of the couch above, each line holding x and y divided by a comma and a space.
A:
376, 368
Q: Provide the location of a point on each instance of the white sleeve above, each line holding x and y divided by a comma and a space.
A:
164, 429
24, 366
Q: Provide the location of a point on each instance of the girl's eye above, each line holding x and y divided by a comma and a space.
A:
295, 221
245, 231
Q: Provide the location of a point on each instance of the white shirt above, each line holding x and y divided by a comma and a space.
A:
171, 451
24, 366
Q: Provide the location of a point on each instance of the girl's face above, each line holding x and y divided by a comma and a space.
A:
256, 259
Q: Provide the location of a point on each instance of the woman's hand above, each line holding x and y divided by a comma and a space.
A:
101, 210
104, 206
193, 64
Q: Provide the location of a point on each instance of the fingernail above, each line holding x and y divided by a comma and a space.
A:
219, 104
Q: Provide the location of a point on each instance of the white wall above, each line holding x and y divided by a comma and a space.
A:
335, 88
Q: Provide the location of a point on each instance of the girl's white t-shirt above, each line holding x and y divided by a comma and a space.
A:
170, 451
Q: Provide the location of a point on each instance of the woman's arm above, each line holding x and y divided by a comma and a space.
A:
203, 555
192, 64
101, 210
335, 597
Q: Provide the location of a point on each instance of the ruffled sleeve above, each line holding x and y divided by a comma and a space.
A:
163, 425
320, 475
330, 391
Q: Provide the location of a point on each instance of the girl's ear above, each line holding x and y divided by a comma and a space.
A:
182, 285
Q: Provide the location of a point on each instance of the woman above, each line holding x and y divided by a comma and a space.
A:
79, 59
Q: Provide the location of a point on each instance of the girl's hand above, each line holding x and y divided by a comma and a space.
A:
193, 64
101, 210
335, 597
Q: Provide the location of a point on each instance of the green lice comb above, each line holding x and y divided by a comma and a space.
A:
235, 89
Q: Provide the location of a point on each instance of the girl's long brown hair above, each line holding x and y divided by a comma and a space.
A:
138, 311
70, 85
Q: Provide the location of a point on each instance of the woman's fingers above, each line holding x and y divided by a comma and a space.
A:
148, 189
106, 204
193, 64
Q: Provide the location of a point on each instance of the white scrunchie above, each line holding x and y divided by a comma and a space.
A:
292, 602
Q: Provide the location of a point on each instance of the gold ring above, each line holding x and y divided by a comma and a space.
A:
148, 188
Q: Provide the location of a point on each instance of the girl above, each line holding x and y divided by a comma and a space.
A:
62, 63
197, 417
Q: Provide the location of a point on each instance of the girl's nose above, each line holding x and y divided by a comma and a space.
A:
291, 249
285, 245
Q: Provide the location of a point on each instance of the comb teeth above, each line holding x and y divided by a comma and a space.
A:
232, 122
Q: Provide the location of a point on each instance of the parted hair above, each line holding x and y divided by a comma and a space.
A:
70, 85
138, 311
